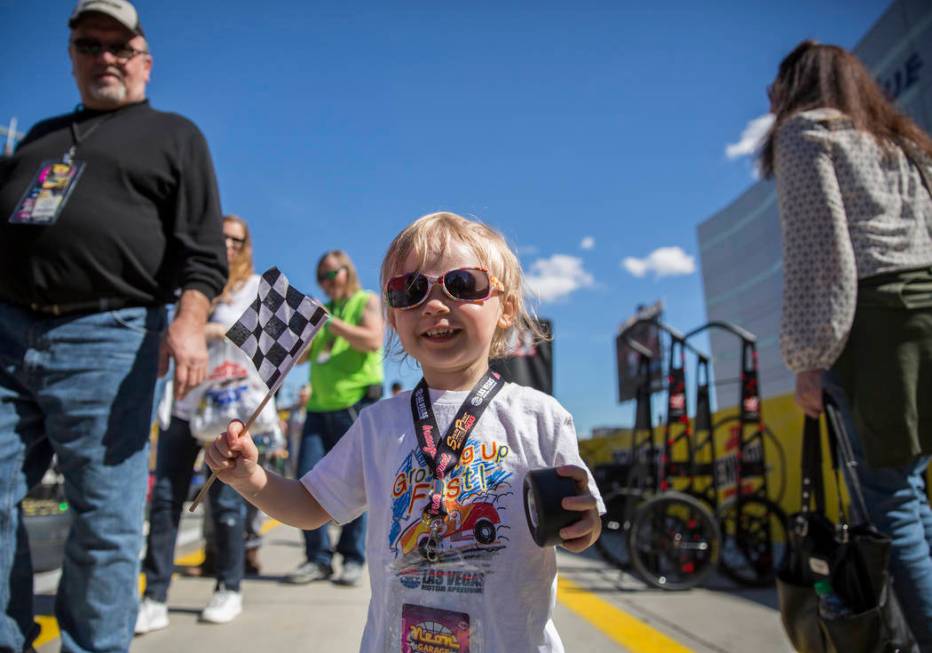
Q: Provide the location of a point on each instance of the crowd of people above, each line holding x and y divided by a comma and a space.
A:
115, 218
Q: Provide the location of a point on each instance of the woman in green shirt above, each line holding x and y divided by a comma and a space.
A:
346, 375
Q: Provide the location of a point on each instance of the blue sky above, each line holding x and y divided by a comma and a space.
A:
333, 125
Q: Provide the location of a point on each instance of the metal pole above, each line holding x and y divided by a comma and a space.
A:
10, 137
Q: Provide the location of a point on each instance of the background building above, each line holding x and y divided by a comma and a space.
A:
740, 246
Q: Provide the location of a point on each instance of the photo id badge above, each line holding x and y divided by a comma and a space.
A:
435, 607
48, 192
433, 630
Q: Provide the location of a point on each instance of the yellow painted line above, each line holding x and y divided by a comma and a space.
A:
49, 625
49, 630
269, 525
617, 625
190, 560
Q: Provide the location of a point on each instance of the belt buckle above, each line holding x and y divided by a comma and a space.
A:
48, 309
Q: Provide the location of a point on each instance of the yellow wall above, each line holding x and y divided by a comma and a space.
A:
781, 416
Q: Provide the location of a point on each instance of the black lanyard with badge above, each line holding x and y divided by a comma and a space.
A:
49, 190
444, 455
426, 625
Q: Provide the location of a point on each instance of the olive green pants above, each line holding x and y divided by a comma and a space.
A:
886, 367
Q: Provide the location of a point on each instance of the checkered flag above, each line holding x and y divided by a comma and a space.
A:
277, 327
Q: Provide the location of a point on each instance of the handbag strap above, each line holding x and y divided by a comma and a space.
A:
838, 435
813, 486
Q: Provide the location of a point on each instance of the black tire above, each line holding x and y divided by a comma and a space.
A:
753, 540
612, 544
673, 541
484, 531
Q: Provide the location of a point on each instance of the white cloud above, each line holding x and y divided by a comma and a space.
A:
662, 262
557, 277
751, 137
587, 243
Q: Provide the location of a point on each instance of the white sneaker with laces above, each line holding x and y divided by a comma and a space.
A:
225, 605
152, 616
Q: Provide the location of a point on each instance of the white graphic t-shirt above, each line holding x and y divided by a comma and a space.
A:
507, 584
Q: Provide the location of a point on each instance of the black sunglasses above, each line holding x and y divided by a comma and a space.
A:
93, 48
462, 285
329, 275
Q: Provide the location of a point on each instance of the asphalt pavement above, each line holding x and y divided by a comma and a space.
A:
599, 610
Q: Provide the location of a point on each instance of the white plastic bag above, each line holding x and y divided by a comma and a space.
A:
233, 390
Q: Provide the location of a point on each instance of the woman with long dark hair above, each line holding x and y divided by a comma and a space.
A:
853, 179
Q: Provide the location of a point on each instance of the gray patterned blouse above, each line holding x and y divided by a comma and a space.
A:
848, 211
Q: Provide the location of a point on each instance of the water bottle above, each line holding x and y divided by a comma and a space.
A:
831, 606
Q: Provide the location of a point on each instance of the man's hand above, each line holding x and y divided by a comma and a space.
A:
185, 342
809, 392
580, 536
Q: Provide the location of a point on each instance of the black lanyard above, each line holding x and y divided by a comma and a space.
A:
77, 137
443, 456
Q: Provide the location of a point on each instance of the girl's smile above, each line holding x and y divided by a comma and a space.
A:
441, 334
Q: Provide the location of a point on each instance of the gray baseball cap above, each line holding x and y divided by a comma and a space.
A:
120, 10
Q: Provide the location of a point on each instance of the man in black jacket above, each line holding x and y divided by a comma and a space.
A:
105, 213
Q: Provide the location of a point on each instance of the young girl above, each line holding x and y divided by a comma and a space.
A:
440, 469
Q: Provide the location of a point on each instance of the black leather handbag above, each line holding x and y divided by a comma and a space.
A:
854, 558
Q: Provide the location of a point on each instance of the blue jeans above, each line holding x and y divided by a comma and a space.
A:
321, 433
899, 506
79, 387
177, 451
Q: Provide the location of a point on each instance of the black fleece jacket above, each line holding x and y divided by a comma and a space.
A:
143, 221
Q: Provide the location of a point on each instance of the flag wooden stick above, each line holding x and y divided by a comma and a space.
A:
213, 475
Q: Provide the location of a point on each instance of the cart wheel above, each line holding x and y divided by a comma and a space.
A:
613, 542
674, 541
753, 540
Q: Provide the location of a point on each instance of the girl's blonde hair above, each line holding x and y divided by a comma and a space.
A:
241, 266
431, 235
341, 257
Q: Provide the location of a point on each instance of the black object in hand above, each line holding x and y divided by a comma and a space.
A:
544, 490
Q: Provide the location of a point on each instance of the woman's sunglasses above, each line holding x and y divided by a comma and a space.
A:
234, 241
329, 275
462, 285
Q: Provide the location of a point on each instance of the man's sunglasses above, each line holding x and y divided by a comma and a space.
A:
329, 275
93, 48
462, 285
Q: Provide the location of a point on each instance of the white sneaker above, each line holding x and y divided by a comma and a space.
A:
350, 575
225, 605
152, 616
